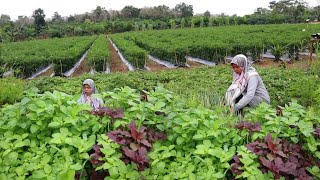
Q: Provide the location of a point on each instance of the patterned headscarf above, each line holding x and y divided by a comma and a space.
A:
242, 61
94, 101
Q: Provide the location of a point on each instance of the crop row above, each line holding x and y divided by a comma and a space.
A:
133, 53
99, 54
217, 42
30, 56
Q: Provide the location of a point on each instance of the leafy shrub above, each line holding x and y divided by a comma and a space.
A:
11, 90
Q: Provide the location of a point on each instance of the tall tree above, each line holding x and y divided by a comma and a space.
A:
183, 10
292, 9
156, 13
99, 14
130, 12
56, 18
71, 19
207, 13
4, 19
39, 21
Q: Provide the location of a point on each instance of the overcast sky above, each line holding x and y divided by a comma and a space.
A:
14, 8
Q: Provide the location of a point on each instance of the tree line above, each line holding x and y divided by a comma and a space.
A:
130, 18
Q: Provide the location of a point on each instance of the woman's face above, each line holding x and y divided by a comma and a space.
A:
237, 69
87, 89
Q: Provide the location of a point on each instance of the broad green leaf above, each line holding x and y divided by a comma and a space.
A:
192, 176
54, 124
122, 167
25, 100
6, 152
76, 167
47, 169
38, 174
160, 166
64, 131
114, 173
32, 107
180, 140
199, 151
132, 175
159, 105
219, 175
34, 128
20, 171
40, 103
207, 143
11, 157
23, 136
84, 156
4, 145
69, 175
19, 144
198, 136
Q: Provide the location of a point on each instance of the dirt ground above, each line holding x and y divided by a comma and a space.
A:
299, 64
155, 66
116, 65
83, 68
47, 73
194, 64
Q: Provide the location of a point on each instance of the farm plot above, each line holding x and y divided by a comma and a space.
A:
30, 56
216, 43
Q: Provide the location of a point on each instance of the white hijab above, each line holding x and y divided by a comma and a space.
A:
95, 102
247, 70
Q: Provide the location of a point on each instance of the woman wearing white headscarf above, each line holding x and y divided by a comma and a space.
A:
247, 88
88, 88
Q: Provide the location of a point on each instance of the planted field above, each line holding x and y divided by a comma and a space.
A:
161, 125
216, 43
205, 84
99, 55
30, 56
158, 134
213, 44
134, 54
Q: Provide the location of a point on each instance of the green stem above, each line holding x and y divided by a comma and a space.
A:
82, 169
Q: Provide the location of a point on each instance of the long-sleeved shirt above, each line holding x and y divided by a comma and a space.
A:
254, 93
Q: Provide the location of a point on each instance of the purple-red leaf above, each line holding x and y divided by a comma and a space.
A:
115, 114
316, 132
117, 137
132, 125
135, 143
236, 165
146, 143
128, 152
161, 136
249, 126
94, 158
289, 168
96, 148
265, 162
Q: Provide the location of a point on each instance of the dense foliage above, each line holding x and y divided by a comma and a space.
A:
30, 56
133, 53
11, 90
99, 54
205, 84
212, 44
100, 20
153, 135
216, 43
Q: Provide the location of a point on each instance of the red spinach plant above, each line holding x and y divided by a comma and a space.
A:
280, 157
136, 143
